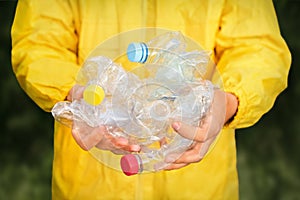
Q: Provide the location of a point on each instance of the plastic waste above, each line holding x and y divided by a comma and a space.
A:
142, 109
170, 50
158, 49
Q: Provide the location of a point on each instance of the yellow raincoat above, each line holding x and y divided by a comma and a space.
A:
51, 39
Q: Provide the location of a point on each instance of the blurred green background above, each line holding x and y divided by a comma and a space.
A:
268, 153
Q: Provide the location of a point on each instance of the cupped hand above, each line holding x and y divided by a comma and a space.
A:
223, 108
88, 137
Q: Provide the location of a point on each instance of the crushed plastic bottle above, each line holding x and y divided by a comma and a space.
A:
170, 50
157, 50
142, 109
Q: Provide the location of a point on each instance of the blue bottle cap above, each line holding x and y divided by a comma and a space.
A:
137, 52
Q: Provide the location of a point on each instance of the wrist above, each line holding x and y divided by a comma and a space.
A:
231, 107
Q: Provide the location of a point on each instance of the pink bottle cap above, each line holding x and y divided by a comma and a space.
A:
129, 165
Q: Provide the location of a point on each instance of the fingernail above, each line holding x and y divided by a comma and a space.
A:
176, 126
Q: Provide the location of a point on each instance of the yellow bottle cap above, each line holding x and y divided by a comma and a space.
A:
93, 94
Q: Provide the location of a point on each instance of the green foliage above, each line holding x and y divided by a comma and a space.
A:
27, 132
268, 160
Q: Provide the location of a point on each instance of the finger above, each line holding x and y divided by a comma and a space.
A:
189, 156
163, 142
194, 154
76, 92
75, 134
118, 145
123, 143
175, 166
88, 141
198, 134
119, 151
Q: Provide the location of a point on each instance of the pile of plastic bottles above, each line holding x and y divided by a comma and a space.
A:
142, 109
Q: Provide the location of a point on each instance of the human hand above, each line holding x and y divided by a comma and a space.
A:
88, 137
223, 108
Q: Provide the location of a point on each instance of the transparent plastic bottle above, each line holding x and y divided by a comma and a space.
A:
168, 52
142, 110
175, 99
158, 50
100, 77
152, 160
156, 111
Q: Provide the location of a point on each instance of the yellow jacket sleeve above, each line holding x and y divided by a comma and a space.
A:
44, 48
253, 59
